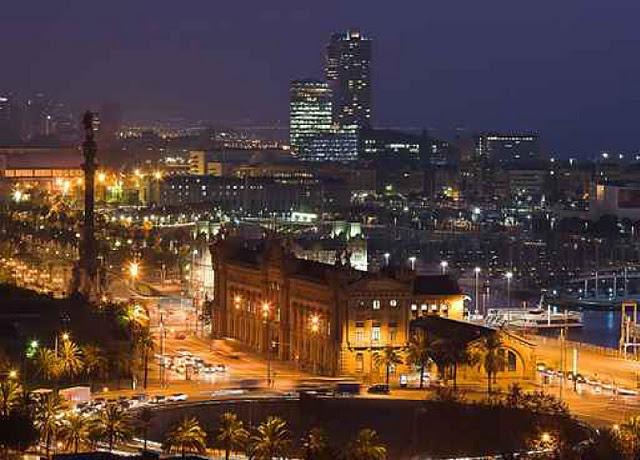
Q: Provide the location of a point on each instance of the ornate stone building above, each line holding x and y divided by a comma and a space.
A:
330, 319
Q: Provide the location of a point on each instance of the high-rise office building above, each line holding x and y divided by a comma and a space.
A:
348, 71
309, 112
508, 148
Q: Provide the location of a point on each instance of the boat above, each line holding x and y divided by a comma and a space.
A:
533, 318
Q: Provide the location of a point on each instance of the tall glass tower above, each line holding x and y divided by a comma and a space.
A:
309, 112
348, 71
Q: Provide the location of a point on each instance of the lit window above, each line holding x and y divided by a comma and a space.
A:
414, 307
423, 307
393, 303
376, 305
375, 333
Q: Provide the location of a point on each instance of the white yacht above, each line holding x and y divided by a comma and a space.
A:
533, 318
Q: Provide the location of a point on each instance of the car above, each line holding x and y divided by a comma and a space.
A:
178, 397
158, 399
379, 389
220, 368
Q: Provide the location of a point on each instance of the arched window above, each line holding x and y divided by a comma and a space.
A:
512, 360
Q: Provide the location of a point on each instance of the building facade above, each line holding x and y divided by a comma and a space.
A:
508, 148
310, 112
348, 71
330, 319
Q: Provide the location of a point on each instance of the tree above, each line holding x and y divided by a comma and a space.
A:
48, 364
186, 436
17, 432
10, 392
70, 358
272, 439
74, 431
419, 354
145, 345
46, 418
629, 434
231, 433
452, 353
143, 423
314, 445
366, 446
114, 425
95, 362
490, 349
388, 358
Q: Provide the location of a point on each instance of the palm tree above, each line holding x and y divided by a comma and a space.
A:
46, 418
48, 364
314, 444
143, 423
453, 353
186, 436
74, 431
231, 433
419, 354
70, 358
490, 348
388, 358
366, 446
272, 439
145, 345
10, 393
95, 362
114, 425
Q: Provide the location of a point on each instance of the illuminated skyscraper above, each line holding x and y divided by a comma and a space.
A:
348, 71
310, 112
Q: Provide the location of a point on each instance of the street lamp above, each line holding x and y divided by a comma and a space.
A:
412, 262
386, 259
314, 325
134, 271
443, 265
509, 275
266, 310
477, 272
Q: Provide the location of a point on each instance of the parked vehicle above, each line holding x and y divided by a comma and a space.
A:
379, 388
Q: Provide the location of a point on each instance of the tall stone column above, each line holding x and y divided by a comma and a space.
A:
85, 279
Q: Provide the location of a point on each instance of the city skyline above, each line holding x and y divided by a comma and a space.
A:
477, 67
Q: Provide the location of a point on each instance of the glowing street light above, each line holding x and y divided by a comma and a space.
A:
412, 262
18, 196
157, 175
13, 374
315, 323
443, 265
266, 309
134, 269
509, 276
386, 259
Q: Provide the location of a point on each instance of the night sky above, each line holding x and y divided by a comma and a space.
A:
569, 69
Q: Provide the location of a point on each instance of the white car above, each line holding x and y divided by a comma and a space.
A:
178, 397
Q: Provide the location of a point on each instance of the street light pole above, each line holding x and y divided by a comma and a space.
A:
266, 310
509, 275
443, 265
477, 272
